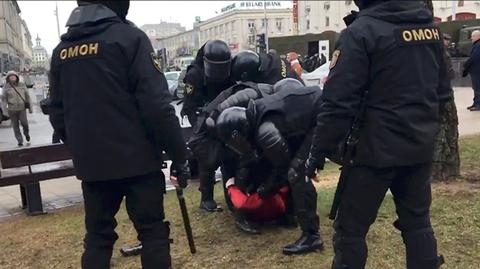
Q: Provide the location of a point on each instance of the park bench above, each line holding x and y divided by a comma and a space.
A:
29, 165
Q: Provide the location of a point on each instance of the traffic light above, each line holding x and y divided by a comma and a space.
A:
261, 42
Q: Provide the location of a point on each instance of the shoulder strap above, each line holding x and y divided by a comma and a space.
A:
23, 99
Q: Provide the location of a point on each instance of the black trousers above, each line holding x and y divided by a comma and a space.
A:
358, 209
144, 203
304, 197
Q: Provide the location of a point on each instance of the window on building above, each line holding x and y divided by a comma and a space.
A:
264, 22
278, 24
308, 24
327, 21
461, 3
326, 5
251, 24
348, 2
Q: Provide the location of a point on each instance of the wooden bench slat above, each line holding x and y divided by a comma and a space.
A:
39, 176
34, 155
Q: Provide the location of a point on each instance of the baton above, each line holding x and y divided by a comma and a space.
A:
186, 219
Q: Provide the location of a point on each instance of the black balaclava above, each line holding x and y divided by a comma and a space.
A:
120, 7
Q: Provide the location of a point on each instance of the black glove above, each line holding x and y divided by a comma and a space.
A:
266, 188
465, 73
312, 164
212, 119
181, 172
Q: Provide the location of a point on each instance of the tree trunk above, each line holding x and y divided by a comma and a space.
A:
446, 158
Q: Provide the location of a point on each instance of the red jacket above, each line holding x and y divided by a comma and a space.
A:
260, 209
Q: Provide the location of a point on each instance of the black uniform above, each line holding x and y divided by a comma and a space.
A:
393, 51
110, 104
273, 68
199, 90
278, 130
283, 133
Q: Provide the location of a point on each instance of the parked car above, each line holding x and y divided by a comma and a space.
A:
318, 76
172, 80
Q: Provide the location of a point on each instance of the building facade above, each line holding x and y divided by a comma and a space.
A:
315, 17
182, 44
448, 10
161, 30
11, 45
26, 60
241, 21
40, 56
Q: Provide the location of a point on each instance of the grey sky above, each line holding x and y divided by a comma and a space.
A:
40, 18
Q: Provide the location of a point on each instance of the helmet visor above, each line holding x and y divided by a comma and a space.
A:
217, 70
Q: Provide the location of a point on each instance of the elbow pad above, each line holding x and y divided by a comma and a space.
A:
273, 144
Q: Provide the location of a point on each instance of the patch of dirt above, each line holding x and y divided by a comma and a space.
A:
455, 187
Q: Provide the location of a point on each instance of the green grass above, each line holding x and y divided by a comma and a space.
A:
55, 240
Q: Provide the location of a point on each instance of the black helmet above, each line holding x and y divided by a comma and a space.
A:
216, 60
120, 7
286, 84
245, 66
233, 129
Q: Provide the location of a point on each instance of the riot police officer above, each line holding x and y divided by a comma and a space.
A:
279, 128
261, 68
206, 77
388, 77
105, 79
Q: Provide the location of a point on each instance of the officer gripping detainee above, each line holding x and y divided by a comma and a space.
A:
279, 128
261, 68
391, 57
105, 79
205, 79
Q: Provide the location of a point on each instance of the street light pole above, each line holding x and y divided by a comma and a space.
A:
266, 24
56, 15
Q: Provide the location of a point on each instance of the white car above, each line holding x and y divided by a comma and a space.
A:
318, 76
172, 80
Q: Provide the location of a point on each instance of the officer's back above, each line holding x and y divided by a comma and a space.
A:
402, 77
107, 79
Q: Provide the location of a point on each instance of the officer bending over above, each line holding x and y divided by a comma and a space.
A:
390, 56
279, 128
111, 106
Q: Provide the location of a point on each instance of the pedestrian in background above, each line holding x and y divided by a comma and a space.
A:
17, 101
448, 57
472, 67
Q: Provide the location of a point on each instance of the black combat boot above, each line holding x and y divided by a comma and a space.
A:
244, 225
307, 242
207, 203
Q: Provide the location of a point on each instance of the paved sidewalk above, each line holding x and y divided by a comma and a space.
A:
59, 193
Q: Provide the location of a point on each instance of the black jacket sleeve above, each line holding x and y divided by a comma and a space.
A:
240, 98
153, 99
342, 94
273, 144
56, 113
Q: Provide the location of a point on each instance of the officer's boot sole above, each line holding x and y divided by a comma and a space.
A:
315, 248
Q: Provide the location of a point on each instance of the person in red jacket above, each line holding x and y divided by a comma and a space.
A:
256, 208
